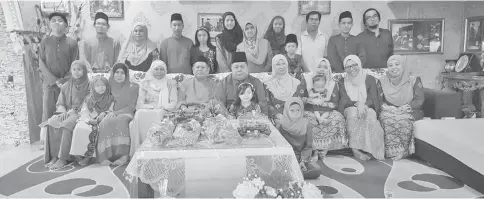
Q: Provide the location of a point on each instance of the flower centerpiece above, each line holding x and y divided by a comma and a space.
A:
254, 187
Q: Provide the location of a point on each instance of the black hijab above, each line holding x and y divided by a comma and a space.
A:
229, 39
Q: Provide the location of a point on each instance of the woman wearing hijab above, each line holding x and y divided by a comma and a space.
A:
139, 51
156, 94
258, 51
329, 132
281, 87
72, 95
276, 35
204, 47
114, 141
227, 41
360, 103
402, 97
97, 104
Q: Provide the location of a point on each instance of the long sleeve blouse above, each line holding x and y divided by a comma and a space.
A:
372, 99
416, 103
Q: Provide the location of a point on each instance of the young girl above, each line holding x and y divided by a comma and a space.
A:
298, 131
73, 93
319, 91
295, 60
245, 103
97, 105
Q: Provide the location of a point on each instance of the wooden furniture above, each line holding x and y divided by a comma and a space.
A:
471, 85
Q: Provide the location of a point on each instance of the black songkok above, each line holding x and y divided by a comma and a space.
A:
200, 58
345, 14
291, 38
176, 17
101, 15
239, 57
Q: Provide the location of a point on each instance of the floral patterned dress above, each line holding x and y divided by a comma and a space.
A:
239, 110
276, 106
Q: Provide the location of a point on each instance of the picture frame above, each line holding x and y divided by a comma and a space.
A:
474, 34
49, 6
417, 36
322, 6
112, 8
213, 22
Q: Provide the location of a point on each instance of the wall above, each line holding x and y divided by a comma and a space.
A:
157, 14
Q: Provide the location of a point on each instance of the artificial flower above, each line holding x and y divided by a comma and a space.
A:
311, 191
245, 190
258, 183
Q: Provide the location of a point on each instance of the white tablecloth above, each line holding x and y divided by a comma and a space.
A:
191, 168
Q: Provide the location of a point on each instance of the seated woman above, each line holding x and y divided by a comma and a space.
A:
298, 131
321, 105
71, 97
359, 102
113, 141
139, 51
402, 97
94, 109
200, 90
281, 87
258, 50
245, 103
156, 94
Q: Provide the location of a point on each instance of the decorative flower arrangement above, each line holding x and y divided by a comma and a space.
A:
253, 187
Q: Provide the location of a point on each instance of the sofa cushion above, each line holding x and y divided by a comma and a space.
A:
440, 104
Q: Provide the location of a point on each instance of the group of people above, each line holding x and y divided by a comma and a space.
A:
108, 119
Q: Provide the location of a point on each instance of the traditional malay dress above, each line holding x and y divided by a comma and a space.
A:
210, 54
258, 51
398, 124
95, 107
114, 139
296, 63
329, 134
364, 133
227, 88
155, 95
281, 87
138, 56
276, 39
72, 95
226, 43
239, 110
175, 51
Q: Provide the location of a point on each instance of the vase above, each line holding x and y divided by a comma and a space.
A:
449, 65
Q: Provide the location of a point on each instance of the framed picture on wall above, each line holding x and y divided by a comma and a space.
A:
474, 34
213, 22
417, 36
50, 6
112, 8
322, 6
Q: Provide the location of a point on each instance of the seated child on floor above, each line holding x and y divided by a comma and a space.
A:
295, 60
245, 103
96, 106
298, 131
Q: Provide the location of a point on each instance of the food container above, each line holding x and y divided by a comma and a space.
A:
187, 133
159, 132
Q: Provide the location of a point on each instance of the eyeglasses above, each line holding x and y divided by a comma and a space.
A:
351, 67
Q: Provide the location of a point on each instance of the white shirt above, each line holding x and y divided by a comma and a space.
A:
312, 49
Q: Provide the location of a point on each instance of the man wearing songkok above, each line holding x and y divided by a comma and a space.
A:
175, 50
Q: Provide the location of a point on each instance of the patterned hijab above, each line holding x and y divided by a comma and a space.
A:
136, 52
254, 51
277, 40
229, 39
283, 86
294, 126
400, 93
77, 89
122, 92
99, 102
355, 86
329, 78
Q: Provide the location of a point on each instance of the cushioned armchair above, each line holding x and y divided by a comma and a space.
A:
440, 104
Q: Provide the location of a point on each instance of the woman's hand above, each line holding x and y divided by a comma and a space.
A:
361, 107
279, 116
405, 108
302, 165
110, 115
92, 122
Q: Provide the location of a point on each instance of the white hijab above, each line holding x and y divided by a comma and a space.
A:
282, 86
356, 86
150, 83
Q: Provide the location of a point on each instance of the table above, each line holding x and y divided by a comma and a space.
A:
206, 170
468, 84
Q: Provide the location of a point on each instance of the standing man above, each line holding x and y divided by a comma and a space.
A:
313, 42
377, 42
227, 87
101, 51
56, 53
344, 44
175, 50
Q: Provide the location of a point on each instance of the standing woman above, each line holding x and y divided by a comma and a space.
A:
114, 142
156, 94
204, 47
402, 98
276, 35
281, 87
360, 102
139, 51
258, 51
227, 42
